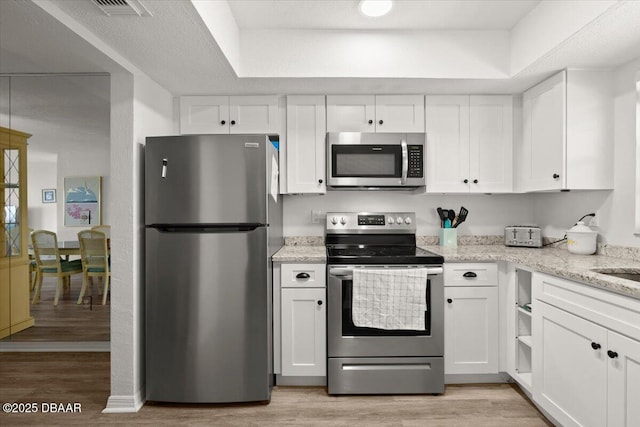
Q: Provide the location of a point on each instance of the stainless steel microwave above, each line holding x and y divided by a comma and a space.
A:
384, 161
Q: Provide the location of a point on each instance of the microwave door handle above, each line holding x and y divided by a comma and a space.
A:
405, 162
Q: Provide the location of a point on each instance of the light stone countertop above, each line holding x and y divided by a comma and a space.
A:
557, 262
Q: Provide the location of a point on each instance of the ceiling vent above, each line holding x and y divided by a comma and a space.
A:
122, 7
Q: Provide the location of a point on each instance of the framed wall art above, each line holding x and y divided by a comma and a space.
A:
82, 201
49, 195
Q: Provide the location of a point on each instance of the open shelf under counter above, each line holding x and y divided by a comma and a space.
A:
526, 340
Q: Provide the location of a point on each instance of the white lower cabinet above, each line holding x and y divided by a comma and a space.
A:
303, 320
586, 372
471, 319
624, 381
570, 376
304, 347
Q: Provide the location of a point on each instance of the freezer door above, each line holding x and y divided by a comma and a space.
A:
208, 317
206, 179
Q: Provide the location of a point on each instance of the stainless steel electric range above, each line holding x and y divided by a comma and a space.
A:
369, 360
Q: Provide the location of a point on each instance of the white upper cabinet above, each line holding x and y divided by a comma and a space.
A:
306, 141
469, 143
567, 140
229, 114
375, 113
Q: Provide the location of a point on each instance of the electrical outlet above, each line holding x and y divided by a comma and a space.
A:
317, 217
595, 221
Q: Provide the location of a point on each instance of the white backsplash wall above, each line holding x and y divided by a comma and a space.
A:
488, 214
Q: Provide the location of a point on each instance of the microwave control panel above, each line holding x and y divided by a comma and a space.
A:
416, 160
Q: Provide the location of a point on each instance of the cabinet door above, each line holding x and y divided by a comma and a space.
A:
569, 376
624, 381
399, 113
254, 114
471, 329
447, 127
542, 154
304, 345
491, 144
204, 114
306, 141
351, 113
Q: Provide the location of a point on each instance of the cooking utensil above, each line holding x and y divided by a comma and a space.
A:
451, 216
462, 216
442, 217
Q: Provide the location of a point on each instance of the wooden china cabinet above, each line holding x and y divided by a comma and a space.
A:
14, 234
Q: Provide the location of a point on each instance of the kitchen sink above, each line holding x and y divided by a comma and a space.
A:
623, 273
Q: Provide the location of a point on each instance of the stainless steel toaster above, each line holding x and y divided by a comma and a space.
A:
523, 235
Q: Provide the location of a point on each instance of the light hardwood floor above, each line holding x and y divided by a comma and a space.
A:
84, 378
67, 321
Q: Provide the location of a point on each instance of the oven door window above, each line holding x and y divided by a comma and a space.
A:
349, 329
366, 161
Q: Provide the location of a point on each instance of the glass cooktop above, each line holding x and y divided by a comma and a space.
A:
381, 255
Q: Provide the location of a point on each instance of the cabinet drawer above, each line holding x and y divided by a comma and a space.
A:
479, 274
303, 275
617, 312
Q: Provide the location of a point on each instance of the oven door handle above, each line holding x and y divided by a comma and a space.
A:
405, 162
347, 273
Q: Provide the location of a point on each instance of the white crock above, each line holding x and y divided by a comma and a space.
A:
581, 239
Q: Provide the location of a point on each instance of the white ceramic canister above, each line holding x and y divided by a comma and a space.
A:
581, 239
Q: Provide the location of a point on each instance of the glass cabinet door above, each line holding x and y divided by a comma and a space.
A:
10, 203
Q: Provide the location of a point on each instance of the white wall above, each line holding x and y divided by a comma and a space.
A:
42, 174
337, 53
488, 214
140, 108
559, 211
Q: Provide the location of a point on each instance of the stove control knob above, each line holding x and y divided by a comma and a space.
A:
334, 220
343, 221
390, 220
407, 220
399, 220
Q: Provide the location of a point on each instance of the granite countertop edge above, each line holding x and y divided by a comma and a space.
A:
557, 262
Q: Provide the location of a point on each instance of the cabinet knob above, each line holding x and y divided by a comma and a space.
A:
223, 122
475, 181
449, 300
233, 122
320, 302
380, 122
595, 345
612, 354
469, 274
370, 122
320, 181
556, 176
302, 276
466, 181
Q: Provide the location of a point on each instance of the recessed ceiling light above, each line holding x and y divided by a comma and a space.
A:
375, 8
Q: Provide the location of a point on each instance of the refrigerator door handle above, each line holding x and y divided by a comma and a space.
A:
164, 168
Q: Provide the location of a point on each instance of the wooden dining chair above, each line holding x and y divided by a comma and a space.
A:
95, 260
49, 263
106, 229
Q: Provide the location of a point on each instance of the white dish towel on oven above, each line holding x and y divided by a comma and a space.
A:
390, 298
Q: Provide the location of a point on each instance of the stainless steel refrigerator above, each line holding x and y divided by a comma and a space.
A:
212, 222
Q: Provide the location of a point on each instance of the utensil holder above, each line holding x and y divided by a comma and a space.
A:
448, 237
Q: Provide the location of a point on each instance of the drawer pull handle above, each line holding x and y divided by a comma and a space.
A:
469, 274
302, 276
595, 345
612, 354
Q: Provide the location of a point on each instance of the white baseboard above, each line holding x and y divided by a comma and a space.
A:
53, 346
125, 403
501, 377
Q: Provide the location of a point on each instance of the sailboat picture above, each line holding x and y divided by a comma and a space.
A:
82, 201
